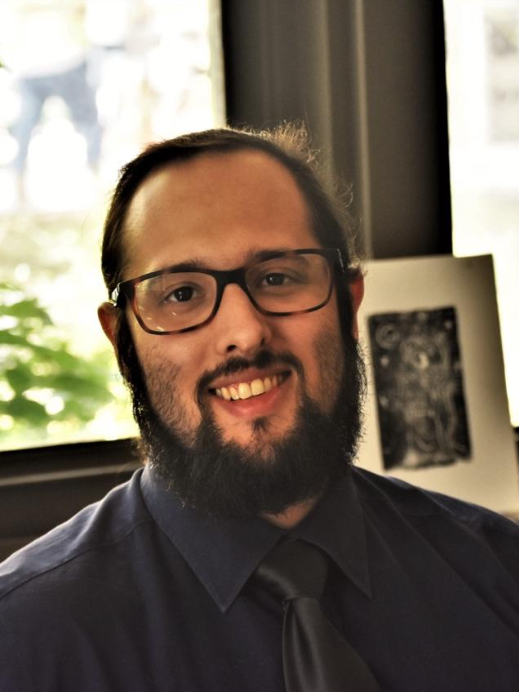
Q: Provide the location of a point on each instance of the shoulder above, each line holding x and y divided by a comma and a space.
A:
427, 508
89, 533
413, 500
417, 524
74, 595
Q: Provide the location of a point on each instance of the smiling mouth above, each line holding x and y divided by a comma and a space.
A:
249, 389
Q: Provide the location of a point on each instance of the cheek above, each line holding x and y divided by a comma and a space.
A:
166, 357
323, 355
167, 373
161, 377
329, 355
172, 399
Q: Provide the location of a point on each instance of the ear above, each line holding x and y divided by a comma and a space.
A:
107, 314
356, 286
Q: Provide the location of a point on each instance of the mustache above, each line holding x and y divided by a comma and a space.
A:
232, 366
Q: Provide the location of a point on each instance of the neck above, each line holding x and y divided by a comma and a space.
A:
293, 515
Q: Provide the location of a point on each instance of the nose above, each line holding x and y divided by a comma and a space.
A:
240, 328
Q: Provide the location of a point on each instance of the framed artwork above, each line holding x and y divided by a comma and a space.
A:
436, 413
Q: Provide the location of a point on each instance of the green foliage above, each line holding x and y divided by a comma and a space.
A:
41, 380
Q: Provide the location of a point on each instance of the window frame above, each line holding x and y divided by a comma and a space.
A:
380, 117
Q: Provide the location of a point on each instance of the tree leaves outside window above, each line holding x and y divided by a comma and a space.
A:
43, 384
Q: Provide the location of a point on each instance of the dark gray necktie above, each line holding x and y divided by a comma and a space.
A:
316, 658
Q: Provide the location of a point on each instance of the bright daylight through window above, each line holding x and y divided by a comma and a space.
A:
483, 89
84, 86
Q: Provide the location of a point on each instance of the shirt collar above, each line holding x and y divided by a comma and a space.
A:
336, 525
223, 554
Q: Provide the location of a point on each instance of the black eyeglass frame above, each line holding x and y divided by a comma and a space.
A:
126, 289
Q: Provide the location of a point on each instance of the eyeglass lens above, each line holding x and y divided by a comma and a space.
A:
179, 300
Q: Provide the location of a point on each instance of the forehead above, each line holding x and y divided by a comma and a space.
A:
216, 208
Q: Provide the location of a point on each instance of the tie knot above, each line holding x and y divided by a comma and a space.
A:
293, 569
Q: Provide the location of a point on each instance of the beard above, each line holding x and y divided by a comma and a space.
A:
224, 480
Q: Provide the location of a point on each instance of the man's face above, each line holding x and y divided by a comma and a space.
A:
218, 211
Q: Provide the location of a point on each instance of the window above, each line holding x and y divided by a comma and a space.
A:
483, 90
84, 86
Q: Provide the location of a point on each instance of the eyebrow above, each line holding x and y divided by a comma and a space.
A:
200, 265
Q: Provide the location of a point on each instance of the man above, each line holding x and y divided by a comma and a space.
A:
233, 308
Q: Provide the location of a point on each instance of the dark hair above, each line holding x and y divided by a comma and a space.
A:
287, 143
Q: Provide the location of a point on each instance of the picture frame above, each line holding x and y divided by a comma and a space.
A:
436, 409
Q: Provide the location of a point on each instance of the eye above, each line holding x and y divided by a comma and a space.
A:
282, 278
182, 294
275, 279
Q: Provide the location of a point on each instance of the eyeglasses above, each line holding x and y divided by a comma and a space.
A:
179, 299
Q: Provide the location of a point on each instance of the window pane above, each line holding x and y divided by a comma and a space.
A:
483, 87
84, 86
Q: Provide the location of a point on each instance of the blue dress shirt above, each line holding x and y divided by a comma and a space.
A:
138, 594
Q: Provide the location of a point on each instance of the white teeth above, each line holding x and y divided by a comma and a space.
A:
246, 390
257, 387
